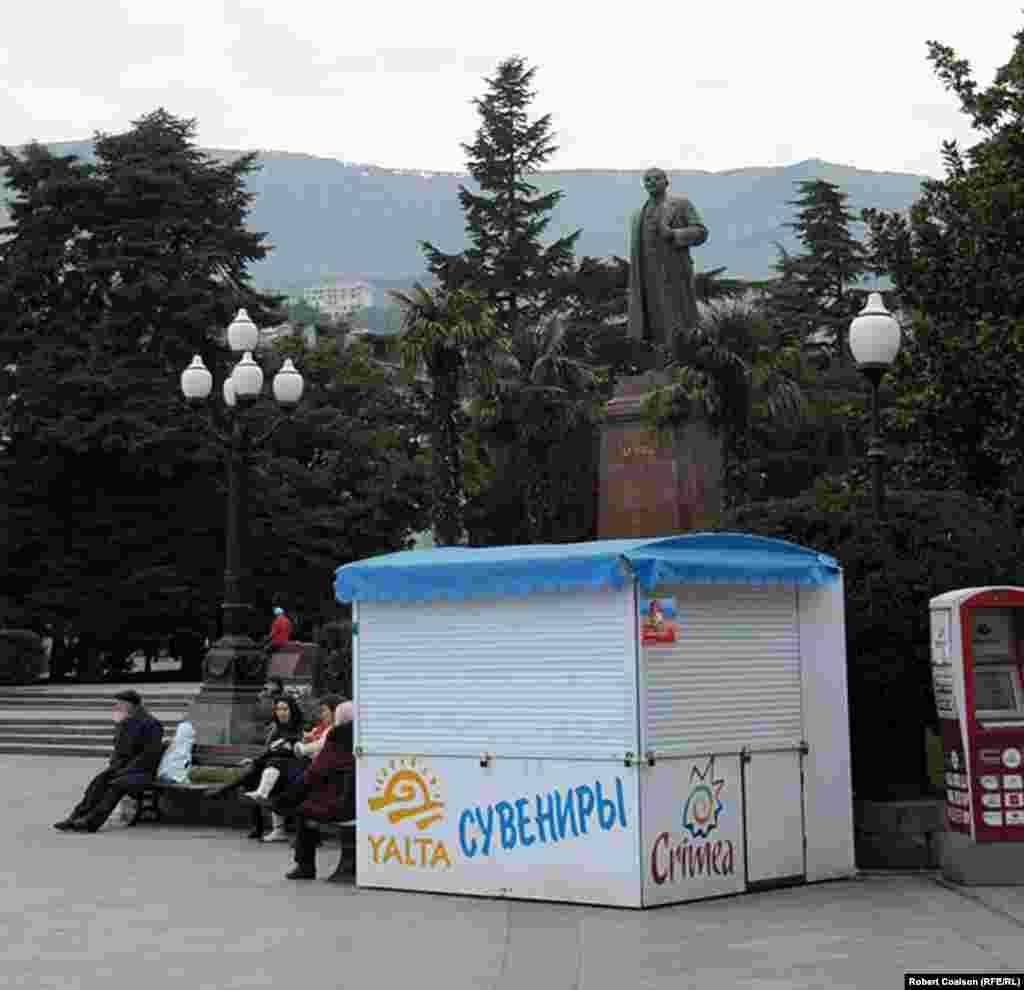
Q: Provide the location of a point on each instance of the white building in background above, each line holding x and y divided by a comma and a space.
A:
339, 297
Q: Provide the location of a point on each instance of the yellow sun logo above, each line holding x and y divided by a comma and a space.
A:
410, 792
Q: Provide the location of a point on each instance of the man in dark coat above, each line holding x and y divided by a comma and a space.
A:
138, 746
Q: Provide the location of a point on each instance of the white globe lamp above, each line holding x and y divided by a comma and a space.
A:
247, 378
196, 381
874, 335
243, 335
288, 385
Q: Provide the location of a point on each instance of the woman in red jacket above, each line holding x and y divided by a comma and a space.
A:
329, 793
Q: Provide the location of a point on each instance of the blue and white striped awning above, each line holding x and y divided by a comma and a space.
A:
476, 572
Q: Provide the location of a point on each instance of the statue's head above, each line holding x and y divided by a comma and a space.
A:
655, 181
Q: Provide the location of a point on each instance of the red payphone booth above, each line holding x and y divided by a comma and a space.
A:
977, 654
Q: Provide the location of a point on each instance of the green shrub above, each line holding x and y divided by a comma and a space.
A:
930, 542
22, 657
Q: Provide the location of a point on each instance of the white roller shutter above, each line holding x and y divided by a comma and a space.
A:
732, 678
542, 675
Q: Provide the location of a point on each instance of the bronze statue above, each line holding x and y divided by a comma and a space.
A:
662, 295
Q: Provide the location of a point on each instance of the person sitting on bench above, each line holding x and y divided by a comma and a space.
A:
329, 793
313, 741
273, 691
138, 746
174, 767
177, 759
271, 769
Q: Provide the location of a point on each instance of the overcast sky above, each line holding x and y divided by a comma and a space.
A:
712, 85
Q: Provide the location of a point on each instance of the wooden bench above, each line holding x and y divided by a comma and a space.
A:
346, 833
147, 799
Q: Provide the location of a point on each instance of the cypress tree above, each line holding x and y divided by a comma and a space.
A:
506, 264
814, 291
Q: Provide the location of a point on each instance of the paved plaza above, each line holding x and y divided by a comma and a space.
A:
157, 907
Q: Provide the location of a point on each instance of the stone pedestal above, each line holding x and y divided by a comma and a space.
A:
229, 714
296, 664
653, 485
293, 662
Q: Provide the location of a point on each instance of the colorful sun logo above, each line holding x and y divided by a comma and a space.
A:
409, 792
703, 804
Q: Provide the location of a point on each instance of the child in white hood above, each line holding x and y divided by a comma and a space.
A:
177, 760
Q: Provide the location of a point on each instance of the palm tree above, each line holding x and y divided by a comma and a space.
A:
448, 337
733, 369
541, 394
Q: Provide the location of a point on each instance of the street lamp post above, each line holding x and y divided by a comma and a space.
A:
875, 342
224, 710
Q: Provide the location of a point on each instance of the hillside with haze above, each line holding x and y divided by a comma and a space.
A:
324, 216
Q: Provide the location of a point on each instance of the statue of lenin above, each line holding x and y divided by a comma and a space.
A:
662, 294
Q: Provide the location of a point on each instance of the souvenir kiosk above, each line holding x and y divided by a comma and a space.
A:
977, 654
624, 722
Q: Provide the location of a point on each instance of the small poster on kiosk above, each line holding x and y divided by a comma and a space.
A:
658, 623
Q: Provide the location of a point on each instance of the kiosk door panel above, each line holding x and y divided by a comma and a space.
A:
692, 815
773, 802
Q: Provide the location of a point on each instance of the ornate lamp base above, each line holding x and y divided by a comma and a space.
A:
227, 709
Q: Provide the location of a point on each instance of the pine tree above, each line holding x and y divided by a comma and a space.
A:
813, 294
506, 264
111, 276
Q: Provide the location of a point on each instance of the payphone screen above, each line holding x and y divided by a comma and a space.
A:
995, 690
993, 635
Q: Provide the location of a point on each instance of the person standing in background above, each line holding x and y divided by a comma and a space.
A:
280, 628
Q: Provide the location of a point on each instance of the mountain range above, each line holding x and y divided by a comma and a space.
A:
327, 217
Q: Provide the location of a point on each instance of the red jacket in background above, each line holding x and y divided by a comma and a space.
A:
280, 629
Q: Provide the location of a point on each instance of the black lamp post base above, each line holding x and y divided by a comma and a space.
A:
227, 709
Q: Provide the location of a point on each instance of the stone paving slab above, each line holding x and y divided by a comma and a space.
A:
195, 907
